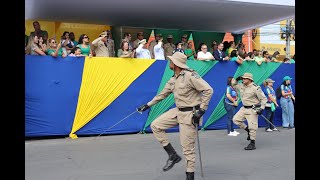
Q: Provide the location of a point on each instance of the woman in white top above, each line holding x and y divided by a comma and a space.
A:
33, 47
204, 55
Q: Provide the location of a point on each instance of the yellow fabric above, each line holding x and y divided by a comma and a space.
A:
103, 80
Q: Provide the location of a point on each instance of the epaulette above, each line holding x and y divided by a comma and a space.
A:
189, 69
195, 74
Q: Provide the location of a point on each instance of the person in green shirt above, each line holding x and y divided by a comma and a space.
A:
189, 52
293, 59
55, 50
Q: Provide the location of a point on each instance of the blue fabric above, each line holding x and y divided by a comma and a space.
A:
286, 89
232, 93
231, 111
268, 91
270, 117
51, 94
287, 112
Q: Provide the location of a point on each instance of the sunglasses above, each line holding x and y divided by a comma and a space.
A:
85, 37
53, 42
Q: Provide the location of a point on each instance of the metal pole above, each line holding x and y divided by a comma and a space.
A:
288, 38
198, 142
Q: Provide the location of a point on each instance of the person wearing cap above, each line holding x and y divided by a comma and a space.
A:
140, 37
254, 102
169, 47
286, 103
191, 95
184, 40
142, 52
99, 45
154, 43
271, 104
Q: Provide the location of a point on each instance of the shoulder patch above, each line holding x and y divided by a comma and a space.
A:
195, 74
255, 84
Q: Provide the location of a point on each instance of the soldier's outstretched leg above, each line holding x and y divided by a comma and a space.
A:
158, 126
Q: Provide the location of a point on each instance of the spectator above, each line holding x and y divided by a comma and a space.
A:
204, 55
178, 48
99, 45
189, 52
66, 42
184, 44
84, 45
232, 46
249, 56
158, 49
125, 51
110, 44
286, 102
153, 43
42, 45
275, 56
127, 37
265, 56
55, 50
76, 52
33, 47
142, 51
230, 104
271, 104
293, 59
255, 53
226, 46
72, 38
214, 46
140, 37
259, 59
38, 32
286, 60
199, 47
26, 39
169, 47
241, 49
235, 57
219, 54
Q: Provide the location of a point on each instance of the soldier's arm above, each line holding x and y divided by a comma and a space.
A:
138, 50
162, 95
95, 42
237, 86
157, 47
261, 97
202, 86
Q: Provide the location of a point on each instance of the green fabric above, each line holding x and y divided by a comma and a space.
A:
49, 51
84, 51
188, 52
259, 73
202, 67
292, 61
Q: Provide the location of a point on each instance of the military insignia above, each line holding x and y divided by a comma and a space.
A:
196, 75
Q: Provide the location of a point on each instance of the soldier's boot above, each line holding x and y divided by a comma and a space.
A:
190, 175
173, 157
251, 146
247, 129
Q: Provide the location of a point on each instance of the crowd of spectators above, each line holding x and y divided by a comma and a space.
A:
38, 43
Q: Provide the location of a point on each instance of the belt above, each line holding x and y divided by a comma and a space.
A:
256, 105
189, 108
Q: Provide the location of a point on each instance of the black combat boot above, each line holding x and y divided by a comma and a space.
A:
173, 157
247, 129
190, 175
251, 146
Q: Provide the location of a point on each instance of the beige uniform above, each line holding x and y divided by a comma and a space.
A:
168, 49
136, 43
110, 46
184, 46
250, 95
189, 90
150, 48
100, 48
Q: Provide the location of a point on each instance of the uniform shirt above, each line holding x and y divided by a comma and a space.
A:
158, 51
100, 48
168, 49
142, 53
110, 47
151, 48
188, 88
184, 46
136, 43
233, 93
251, 94
286, 89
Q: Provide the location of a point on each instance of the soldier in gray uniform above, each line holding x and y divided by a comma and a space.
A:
184, 42
169, 47
140, 37
254, 102
191, 95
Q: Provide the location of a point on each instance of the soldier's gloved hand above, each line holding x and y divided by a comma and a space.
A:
143, 108
197, 116
259, 111
239, 78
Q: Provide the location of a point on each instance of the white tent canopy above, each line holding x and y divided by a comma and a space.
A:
198, 15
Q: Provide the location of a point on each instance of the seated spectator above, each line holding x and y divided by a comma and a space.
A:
226, 46
66, 42
142, 51
235, 57
199, 48
54, 49
99, 46
38, 32
265, 56
232, 46
259, 59
84, 45
125, 51
219, 54
286, 60
249, 56
293, 59
241, 49
204, 55
42, 45
214, 46
76, 52
189, 52
127, 37
275, 56
72, 38
178, 48
33, 47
